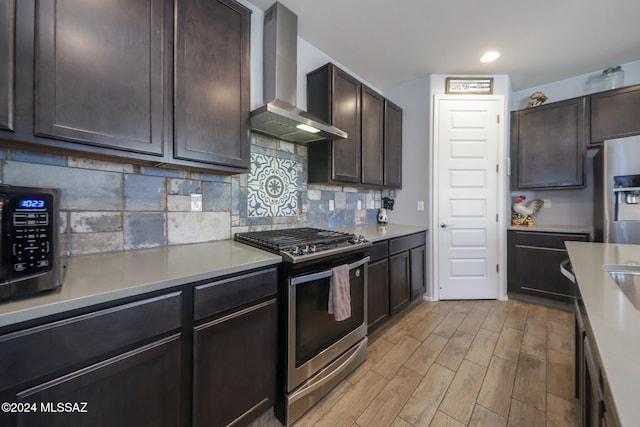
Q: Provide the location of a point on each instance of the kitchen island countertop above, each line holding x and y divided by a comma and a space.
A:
614, 321
99, 278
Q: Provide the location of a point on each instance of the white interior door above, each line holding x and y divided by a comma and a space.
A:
466, 142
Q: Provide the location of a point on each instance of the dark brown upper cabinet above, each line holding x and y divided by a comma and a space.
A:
212, 82
392, 145
372, 137
7, 63
334, 96
548, 145
615, 113
102, 73
157, 82
371, 154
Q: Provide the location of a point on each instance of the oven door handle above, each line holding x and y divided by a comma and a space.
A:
324, 274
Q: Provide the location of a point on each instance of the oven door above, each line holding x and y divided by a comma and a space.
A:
315, 338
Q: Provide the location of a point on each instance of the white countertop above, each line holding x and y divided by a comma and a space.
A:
583, 229
614, 321
99, 278
377, 232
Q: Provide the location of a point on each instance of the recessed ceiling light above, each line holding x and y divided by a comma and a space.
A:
490, 56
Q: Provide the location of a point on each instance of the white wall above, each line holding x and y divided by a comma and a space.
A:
583, 84
415, 100
309, 58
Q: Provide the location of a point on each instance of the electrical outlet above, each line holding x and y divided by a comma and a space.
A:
332, 205
359, 203
547, 203
420, 205
196, 203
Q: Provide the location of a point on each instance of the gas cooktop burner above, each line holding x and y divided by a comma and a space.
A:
302, 244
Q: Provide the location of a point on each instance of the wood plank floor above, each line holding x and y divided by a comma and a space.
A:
459, 363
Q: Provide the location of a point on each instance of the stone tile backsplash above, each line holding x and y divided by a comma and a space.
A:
108, 206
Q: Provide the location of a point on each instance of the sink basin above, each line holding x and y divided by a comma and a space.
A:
627, 277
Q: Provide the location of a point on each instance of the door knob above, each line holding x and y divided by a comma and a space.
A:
443, 225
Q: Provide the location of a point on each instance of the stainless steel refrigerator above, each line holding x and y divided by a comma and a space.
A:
617, 191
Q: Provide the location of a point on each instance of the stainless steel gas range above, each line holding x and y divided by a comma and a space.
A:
316, 350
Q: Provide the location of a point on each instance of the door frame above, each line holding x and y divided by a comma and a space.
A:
433, 291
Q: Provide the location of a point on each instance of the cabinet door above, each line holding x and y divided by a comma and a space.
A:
212, 82
418, 259
534, 263
614, 113
372, 137
378, 294
392, 145
539, 271
234, 366
346, 116
548, 145
593, 404
103, 73
140, 388
73, 341
399, 277
7, 62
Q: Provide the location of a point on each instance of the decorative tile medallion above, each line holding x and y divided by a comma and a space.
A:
271, 187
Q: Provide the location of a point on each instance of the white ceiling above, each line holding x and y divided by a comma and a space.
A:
390, 42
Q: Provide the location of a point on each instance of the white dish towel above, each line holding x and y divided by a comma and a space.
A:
340, 293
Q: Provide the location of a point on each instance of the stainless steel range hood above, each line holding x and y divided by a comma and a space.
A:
280, 117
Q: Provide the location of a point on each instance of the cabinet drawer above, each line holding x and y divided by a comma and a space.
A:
217, 297
143, 383
41, 350
405, 243
547, 240
379, 250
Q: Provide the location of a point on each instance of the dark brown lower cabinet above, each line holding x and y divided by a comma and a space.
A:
138, 388
399, 281
202, 354
534, 259
378, 294
397, 276
233, 366
418, 259
594, 402
123, 360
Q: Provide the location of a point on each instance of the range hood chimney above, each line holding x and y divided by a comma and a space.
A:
280, 117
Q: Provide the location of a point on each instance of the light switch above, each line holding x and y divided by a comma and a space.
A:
420, 205
196, 203
359, 203
332, 205
547, 203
